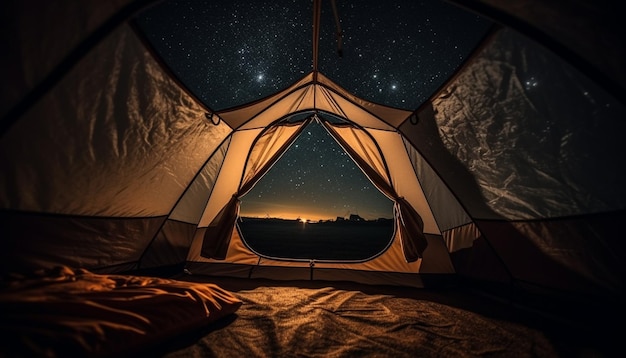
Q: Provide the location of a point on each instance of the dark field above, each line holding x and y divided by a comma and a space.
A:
321, 241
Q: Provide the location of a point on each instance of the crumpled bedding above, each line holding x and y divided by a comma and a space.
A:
292, 321
68, 312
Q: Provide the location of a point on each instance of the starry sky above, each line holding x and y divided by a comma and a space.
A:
232, 52
397, 53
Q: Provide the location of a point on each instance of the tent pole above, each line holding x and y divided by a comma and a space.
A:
339, 33
317, 9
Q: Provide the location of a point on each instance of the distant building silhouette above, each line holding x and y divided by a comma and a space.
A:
355, 217
340, 218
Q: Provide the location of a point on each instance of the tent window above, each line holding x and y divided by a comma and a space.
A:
315, 203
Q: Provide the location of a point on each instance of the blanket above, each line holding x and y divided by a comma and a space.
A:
73, 312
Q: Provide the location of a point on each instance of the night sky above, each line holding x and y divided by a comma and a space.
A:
231, 52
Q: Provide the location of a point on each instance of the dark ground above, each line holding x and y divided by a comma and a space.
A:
337, 240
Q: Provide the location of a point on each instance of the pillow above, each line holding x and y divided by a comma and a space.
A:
67, 312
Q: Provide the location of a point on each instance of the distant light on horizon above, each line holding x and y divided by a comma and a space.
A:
311, 216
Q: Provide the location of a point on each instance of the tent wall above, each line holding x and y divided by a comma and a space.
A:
115, 139
191, 205
580, 254
523, 140
171, 245
230, 175
525, 134
446, 208
32, 241
587, 33
313, 93
389, 268
36, 45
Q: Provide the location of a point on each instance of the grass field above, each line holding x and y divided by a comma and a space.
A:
342, 240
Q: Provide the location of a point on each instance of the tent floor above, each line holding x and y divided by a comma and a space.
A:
316, 318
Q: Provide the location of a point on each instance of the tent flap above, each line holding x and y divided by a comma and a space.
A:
411, 231
218, 233
371, 162
267, 149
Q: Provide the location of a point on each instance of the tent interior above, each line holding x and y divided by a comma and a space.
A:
159, 159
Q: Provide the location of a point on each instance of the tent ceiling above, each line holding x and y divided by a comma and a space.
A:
233, 52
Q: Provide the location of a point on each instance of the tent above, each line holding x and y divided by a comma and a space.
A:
110, 163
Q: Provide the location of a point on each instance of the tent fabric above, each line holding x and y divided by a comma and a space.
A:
445, 206
217, 235
242, 262
36, 241
574, 252
116, 109
514, 166
37, 46
190, 206
227, 183
525, 162
587, 33
461, 237
313, 93
531, 154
